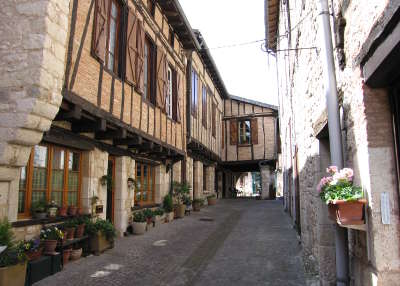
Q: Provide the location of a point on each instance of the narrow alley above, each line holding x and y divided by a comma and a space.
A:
237, 242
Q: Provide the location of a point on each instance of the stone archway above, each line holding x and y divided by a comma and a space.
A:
32, 53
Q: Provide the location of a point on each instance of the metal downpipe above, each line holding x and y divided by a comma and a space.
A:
335, 136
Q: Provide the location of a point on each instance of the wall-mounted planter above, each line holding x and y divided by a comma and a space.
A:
348, 213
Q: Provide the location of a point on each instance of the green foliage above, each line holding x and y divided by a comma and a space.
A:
81, 220
148, 213
181, 190
159, 212
6, 234
139, 217
51, 233
39, 207
213, 196
168, 205
104, 226
187, 200
341, 191
198, 201
70, 223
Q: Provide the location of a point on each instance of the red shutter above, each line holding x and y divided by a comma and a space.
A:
100, 29
233, 132
254, 131
131, 47
140, 57
179, 94
161, 78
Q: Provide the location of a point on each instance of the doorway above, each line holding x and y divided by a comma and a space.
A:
110, 189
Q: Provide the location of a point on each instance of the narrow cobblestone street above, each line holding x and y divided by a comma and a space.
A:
237, 242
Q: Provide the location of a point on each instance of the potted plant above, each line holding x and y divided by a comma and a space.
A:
168, 208
72, 210
197, 204
149, 215
181, 190
212, 200
52, 209
12, 257
102, 234
63, 211
139, 222
50, 237
39, 209
159, 216
345, 201
80, 222
33, 249
70, 227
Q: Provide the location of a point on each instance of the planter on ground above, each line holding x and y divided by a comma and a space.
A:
13, 275
347, 212
139, 227
169, 216
66, 255
212, 200
99, 243
180, 211
76, 254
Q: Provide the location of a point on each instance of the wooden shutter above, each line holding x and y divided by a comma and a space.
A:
234, 132
99, 42
174, 94
161, 78
131, 47
139, 74
179, 94
254, 131
223, 134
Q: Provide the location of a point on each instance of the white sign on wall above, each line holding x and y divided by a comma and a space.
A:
385, 208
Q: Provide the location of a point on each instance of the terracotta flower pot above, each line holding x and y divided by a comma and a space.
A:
196, 206
34, 254
76, 254
66, 255
72, 210
79, 231
348, 213
70, 233
63, 211
212, 201
13, 275
50, 246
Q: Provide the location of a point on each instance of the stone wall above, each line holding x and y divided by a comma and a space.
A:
367, 138
32, 56
198, 180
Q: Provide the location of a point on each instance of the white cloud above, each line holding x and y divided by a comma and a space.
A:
244, 69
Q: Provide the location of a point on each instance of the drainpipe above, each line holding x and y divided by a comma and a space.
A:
335, 136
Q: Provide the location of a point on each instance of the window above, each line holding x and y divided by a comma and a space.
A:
214, 119
168, 100
145, 175
194, 92
113, 36
244, 132
149, 71
49, 176
204, 106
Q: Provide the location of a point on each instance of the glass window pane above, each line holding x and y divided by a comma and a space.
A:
22, 190
114, 10
57, 176
73, 178
40, 156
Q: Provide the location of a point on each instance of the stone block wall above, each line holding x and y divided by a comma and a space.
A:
163, 183
198, 180
32, 54
209, 188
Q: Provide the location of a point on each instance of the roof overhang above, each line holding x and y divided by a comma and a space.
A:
179, 23
210, 65
271, 24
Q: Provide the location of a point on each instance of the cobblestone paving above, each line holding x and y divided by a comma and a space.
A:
248, 242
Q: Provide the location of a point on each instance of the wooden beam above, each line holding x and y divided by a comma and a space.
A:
74, 114
111, 134
89, 127
135, 141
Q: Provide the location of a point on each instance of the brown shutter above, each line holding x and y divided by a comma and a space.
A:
100, 29
223, 134
161, 78
179, 88
234, 132
254, 131
131, 47
140, 57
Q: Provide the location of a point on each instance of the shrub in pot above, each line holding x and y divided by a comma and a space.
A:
102, 234
38, 209
139, 223
212, 200
33, 249
159, 216
70, 227
197, 204
12, 257
168, 207
52, 209
80, 222
50, 236
345, 201
181, 190
148, 213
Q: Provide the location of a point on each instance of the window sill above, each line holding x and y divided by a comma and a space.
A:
244, 145
31, 221
145, 206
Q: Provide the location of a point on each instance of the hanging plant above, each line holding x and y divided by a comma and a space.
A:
103, 180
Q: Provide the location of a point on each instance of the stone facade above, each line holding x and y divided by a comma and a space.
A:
366, 130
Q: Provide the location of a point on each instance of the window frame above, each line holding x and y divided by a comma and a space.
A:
169, 108
152, 169
248, 140
116, 66
149, 66
49, 160
194, 95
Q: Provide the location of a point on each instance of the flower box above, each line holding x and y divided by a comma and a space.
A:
347, 212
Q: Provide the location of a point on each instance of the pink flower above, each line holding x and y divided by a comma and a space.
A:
332, 170
323, 182
348, 173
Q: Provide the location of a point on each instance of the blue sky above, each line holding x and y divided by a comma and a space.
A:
244, 69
